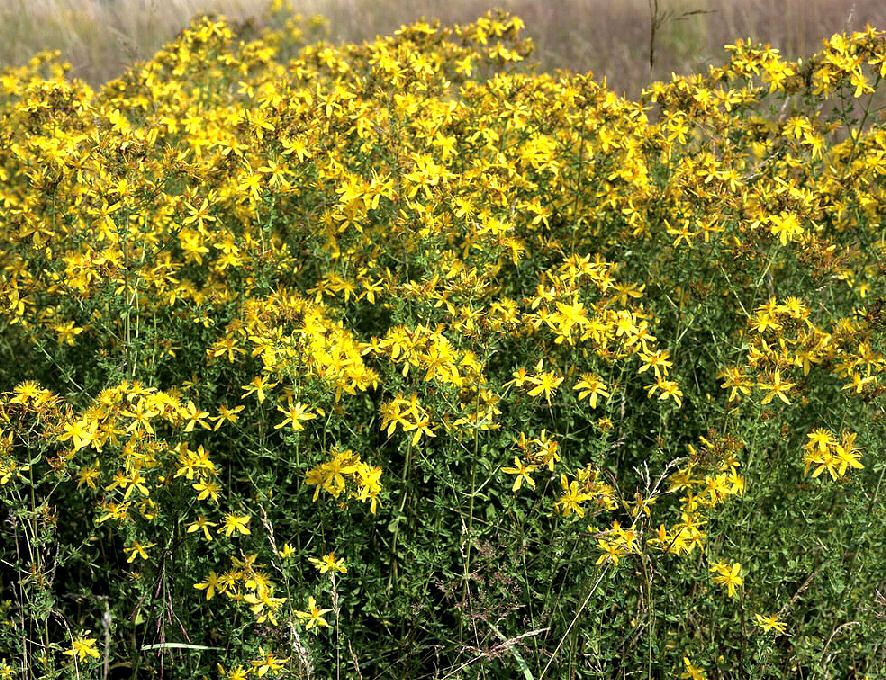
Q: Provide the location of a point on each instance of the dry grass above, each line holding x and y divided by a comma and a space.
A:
609, 38
100, 37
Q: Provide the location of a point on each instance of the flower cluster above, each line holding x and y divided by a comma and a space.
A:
412, 301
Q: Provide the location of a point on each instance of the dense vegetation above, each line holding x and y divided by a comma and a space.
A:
393, 360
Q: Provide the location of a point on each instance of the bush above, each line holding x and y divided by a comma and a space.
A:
398, 359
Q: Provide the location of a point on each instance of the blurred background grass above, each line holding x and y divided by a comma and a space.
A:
611, 38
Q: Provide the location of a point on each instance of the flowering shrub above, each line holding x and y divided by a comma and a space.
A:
397, 358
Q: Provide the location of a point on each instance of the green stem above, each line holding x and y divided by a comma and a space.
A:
467, 538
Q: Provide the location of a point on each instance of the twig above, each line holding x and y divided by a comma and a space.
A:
354, 660
572, 623
800, 590
825, 662
106, 625
179, 645
506, 644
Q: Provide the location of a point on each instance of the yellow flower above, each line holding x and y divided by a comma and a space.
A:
313, 618
692, 672
84, 648
82, 432
522, 472
658, 361
67, 332
546, 383
786, 226
199, 215
826, 453
136, 550
210, 585
258, 386
238, 673
729, 577
667, 388
571, 498
520, 377
227, 415
847, 454
329, 563
236, 523
776, 388
194, 416
296, 414
207, 490
267, 662
770, 623
591, 387
30, 392
88, 475
204, 524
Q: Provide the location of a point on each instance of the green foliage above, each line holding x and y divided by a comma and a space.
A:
395, 360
